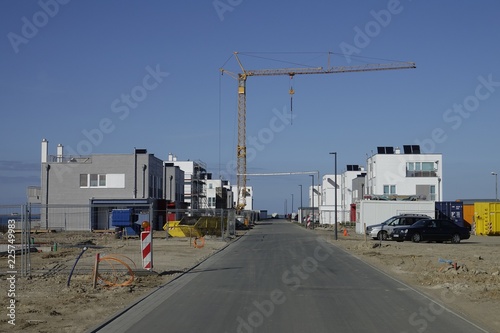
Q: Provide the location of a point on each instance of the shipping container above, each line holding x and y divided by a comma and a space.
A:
486, 218
468, 215
451, 210
370, 212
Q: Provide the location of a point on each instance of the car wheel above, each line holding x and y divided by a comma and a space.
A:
416, 237
455, 239
382, 235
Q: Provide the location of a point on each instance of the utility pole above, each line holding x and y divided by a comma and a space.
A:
335, 153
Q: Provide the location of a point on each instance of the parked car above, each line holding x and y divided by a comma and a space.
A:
431, 230
384, 229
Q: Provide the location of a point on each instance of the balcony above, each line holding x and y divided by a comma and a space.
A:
421, 173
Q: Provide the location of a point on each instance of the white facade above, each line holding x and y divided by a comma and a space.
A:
401, 175
194, 181
346, 195
390, 175
218, 188
370, 212
248, 198
327, 208
315, 200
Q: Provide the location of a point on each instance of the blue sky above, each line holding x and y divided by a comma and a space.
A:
67, 65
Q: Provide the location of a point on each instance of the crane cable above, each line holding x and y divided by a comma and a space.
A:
291, 92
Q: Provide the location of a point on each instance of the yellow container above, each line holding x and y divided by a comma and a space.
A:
175, 229
487, 218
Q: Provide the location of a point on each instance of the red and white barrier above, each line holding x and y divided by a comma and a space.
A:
147, 256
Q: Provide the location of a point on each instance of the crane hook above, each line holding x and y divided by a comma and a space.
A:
291, 92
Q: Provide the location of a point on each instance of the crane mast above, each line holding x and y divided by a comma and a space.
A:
241, 150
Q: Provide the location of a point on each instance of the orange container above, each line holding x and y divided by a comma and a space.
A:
468, 215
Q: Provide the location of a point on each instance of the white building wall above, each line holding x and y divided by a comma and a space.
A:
315, 200
328, 189
391, 170
248, 199
212, 185
188, 168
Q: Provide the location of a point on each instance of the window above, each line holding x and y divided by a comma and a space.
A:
84, 180
432, 192
420, 169
93, 180
389, 189
427, 166
102, 180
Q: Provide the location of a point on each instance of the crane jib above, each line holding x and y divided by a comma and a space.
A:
242, 77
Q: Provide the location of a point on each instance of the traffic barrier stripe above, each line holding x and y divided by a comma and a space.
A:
146, 249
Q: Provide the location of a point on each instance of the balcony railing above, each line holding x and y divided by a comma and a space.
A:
421, 173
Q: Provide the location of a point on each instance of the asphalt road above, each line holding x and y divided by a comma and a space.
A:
280, 277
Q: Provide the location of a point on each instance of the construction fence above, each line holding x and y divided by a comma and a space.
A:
97, 218
50, 231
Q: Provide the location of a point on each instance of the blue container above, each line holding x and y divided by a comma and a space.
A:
121, 217
126, 220
451, 210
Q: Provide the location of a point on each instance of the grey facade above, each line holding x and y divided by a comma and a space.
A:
76, 180
79, 180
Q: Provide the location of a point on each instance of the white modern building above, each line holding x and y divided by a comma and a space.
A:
219, 194
347, 192
408, 174
248, 197
195, 174
391, 174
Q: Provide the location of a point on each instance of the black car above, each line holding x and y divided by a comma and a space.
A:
431, 230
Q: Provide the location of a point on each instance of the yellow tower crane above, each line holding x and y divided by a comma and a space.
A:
241, 149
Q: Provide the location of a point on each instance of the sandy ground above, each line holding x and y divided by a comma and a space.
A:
45, 302
462, 277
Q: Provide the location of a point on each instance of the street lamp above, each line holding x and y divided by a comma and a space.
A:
312, 199
292, 204
335, 153
496, 184
439, 181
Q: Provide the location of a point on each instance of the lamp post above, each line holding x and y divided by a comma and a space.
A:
439, 181
335, 153
292, 204
496, 185
312, 199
